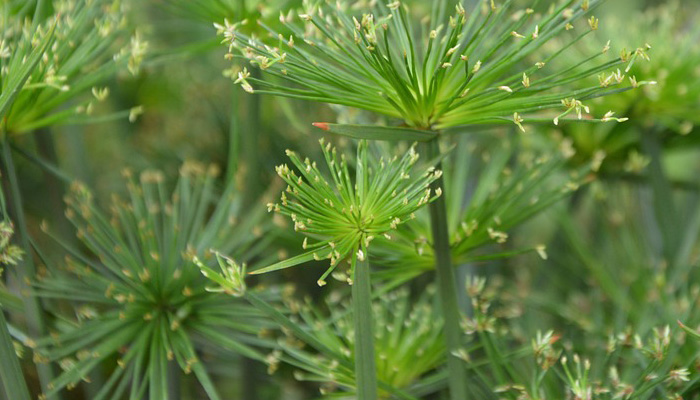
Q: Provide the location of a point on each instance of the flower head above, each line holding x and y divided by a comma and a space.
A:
471, 68
341, 216
81, 54
232, 278
139, 299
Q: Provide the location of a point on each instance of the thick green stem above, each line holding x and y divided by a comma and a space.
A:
10, 370
447, 287
33, 310
365, 364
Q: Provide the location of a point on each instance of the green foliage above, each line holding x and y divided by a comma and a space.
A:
671, 104
407, 337
464, 70
513, 185
564, 257
139, 298
343, 217
67, 56
10, 370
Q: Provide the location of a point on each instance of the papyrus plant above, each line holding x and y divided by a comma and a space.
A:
407, 336
87, 44
341, 215
139, 301
668, 110
618, 366
470, 68
466, 69
626, 271
512, 182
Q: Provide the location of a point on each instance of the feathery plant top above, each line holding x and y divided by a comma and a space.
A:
343, 217
77, 52
140, 300
473, 68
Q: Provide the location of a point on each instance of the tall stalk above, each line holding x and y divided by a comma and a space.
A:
33, 309
446, 282
365, 363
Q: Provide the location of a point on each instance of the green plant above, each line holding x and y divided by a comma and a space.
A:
140, 302
407, 335
464, 71
667, 109
513, 183
344, 217
467, 148
77, 57
620, 365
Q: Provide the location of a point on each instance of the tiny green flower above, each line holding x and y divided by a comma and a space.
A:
341, 217
232, 278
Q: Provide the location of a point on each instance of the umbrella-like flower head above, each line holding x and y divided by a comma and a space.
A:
141, 300
471, 68
341, 216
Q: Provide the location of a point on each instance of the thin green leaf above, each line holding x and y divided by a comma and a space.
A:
10, 370
693, 333
290, 262
383, 133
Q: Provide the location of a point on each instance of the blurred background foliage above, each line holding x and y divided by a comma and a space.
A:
606, 261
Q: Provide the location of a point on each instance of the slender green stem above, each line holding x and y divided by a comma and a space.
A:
662, 191
33, 309
251, 137
10, 370
447, 287
249, 130
365, 364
